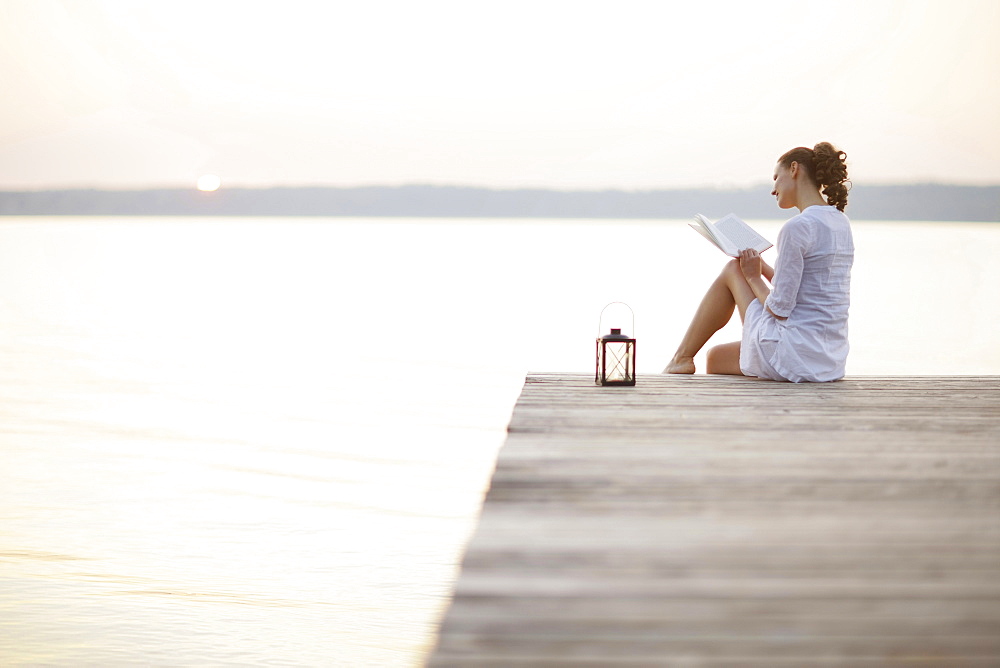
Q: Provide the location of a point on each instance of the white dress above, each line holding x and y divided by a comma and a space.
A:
811, 288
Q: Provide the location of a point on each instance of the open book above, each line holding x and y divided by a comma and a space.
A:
730, 234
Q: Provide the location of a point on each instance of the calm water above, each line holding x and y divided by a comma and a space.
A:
265, 441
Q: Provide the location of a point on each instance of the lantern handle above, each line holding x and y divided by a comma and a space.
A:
600, 320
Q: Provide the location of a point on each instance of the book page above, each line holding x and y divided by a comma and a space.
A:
741, 235
704, 226
700, 229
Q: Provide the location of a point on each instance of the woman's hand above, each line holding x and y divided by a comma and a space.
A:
750, 264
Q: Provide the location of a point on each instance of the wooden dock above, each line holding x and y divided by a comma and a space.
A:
721, 521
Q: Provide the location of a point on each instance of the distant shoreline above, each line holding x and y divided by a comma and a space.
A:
930, 202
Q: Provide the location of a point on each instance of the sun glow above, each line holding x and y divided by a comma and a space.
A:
209, 183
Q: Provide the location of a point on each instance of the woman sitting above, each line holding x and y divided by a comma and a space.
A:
795, 330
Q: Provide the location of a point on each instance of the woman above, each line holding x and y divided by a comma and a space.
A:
797, 329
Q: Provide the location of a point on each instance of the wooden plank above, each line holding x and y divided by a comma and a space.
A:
719, 521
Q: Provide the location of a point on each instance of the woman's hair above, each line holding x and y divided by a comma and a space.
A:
826, 166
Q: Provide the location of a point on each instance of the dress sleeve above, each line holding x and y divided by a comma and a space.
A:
793, 243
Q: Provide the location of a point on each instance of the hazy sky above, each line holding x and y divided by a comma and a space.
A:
557, 94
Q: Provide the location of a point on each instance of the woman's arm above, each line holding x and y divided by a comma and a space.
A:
794, 241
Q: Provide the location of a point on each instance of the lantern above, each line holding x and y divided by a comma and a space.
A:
615, 355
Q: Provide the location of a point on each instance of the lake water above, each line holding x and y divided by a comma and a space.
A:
266, 441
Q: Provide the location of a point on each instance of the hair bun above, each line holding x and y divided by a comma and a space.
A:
826, 151
831, 172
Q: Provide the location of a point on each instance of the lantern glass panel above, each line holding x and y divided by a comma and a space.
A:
617, 361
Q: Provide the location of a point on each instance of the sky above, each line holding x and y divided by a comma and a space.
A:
568, 95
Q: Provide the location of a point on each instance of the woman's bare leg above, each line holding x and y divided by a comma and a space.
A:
724, 358
729, 291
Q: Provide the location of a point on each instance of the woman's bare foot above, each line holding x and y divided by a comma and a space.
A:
680, 365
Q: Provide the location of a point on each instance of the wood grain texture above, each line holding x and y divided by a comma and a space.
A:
721, 521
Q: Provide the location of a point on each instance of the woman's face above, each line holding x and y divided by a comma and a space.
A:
784, 186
